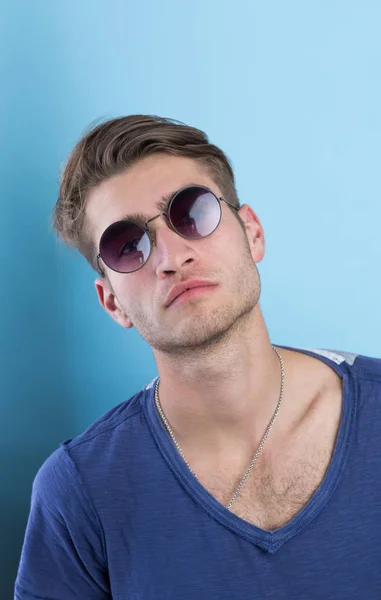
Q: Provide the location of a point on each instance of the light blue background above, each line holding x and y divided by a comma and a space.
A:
290, 90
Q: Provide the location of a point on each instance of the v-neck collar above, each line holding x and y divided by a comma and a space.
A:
270, 541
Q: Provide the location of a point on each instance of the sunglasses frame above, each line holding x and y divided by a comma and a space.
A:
170, 224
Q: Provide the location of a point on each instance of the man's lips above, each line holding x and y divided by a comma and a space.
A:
178, 290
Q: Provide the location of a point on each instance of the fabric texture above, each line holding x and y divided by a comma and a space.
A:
116, 513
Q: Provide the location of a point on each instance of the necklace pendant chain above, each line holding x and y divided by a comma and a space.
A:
259, 450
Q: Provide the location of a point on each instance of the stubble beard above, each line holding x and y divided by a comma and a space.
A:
204, 328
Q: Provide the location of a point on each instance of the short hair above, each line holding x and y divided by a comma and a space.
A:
112, 147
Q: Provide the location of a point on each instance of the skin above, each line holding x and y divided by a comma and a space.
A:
219, 376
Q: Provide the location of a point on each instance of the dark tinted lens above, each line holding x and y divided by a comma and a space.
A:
195, 212
125, 246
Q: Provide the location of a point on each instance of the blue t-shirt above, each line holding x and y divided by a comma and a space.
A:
116, 513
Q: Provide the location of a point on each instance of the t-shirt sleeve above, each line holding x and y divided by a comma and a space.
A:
63, 555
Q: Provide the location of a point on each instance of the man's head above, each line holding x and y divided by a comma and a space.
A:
130, 165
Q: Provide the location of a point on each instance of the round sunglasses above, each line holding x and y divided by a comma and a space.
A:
194, 212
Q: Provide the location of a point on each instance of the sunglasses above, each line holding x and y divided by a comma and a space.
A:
194, 212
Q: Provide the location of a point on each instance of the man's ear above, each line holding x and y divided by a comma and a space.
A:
110, 302
254, 232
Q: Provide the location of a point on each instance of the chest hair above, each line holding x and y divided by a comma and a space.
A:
281, 483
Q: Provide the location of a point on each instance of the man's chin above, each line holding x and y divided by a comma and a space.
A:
202, 330
192, 338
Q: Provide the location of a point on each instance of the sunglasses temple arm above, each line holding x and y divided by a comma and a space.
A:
229, 203
99, 267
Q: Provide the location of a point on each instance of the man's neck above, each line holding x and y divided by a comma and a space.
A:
224, 395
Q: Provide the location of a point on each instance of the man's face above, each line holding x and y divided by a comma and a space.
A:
226, 259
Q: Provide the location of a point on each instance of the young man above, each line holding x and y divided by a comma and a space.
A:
245, 470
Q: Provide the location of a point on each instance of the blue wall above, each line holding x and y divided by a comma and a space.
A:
290, 90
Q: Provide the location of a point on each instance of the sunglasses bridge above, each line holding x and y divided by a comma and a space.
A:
152, 234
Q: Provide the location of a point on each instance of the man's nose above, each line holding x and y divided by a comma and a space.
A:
171, 252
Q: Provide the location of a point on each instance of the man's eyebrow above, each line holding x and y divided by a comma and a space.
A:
161, 205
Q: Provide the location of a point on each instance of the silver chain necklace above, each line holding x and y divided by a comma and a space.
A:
244, 478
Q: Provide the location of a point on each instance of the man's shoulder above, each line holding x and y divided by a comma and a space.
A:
105, 432
368, 367
361, 366
69, 474
96, 451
